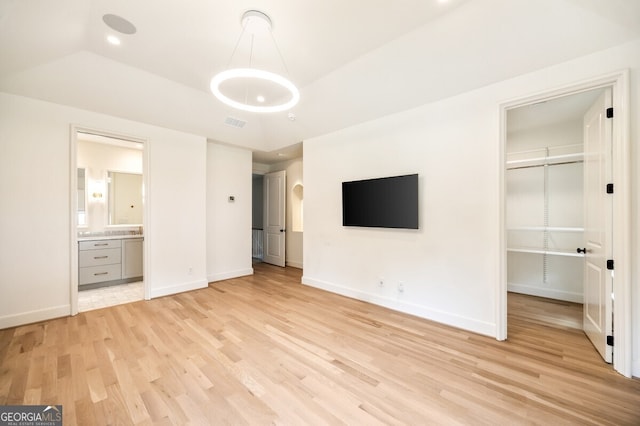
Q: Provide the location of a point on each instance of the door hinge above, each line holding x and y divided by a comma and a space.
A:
609, 188
610, 264
610, 112
609, 340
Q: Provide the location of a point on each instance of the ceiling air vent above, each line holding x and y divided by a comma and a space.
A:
234, 122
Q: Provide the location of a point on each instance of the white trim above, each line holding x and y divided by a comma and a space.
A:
294, 264
619, 83
230, 274
73, 221
500, 295
178, 288
146, 220
406, 307
30, 317
622, 355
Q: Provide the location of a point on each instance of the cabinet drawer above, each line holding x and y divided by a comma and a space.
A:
95, 274
99, 257
98, 244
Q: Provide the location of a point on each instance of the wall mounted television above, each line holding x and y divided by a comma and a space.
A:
388, 202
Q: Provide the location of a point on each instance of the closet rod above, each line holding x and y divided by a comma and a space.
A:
545, 164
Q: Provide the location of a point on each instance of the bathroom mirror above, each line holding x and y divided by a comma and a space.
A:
124, 195
82, 198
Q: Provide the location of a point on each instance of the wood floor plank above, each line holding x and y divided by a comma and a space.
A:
265, 349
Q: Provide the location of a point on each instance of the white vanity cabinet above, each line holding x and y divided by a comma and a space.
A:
109, 261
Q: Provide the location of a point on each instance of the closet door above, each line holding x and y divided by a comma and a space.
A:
598, 321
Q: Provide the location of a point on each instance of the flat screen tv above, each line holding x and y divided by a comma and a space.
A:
389, 202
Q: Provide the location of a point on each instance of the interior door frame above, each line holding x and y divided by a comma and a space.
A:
621, 247
73, 205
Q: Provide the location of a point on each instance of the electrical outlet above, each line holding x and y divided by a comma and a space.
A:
190, 272
381, 282
400, 287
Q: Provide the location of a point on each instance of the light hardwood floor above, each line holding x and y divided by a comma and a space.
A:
267, 350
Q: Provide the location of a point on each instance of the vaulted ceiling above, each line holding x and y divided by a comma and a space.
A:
353, 60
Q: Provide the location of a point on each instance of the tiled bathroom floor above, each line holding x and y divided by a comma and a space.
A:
103, 297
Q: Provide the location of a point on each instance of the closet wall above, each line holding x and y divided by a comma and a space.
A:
544, 181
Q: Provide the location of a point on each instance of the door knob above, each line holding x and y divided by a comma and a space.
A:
282, 230
582, 250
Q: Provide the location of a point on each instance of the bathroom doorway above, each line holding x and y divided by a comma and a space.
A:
108, 220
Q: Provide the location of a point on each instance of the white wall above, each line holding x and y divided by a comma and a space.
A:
228, 223
447, 267
35, 213
177, 219
450, 266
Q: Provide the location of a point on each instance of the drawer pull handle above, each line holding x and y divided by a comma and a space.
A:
101, 273
100, 257
101, 244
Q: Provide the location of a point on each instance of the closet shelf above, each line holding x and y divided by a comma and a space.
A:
545, 156
547, 228
533, 250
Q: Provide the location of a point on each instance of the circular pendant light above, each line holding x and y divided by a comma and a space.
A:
252, 73
253, 22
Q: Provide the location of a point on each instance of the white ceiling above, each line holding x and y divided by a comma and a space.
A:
353, 60
564, 109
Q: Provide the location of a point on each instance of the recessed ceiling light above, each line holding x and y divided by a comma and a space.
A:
119, 24
260, 98
113, 40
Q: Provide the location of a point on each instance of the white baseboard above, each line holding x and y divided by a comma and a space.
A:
294, 264
178, 288
230, 274
470, 324
546, 292
23, 318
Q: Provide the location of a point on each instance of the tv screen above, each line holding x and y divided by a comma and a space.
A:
390, 202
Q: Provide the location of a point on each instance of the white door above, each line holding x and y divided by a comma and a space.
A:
274, 218
598, 281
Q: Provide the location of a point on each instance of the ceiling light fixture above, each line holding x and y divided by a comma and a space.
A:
233, 87
113, 40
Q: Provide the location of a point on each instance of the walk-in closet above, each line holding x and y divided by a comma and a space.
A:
544, 197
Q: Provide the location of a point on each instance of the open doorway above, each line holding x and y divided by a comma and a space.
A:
544, 210
109, 220
278, 197
562, 226
257, 214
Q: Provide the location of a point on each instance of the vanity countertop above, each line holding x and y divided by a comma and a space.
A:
109, 237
